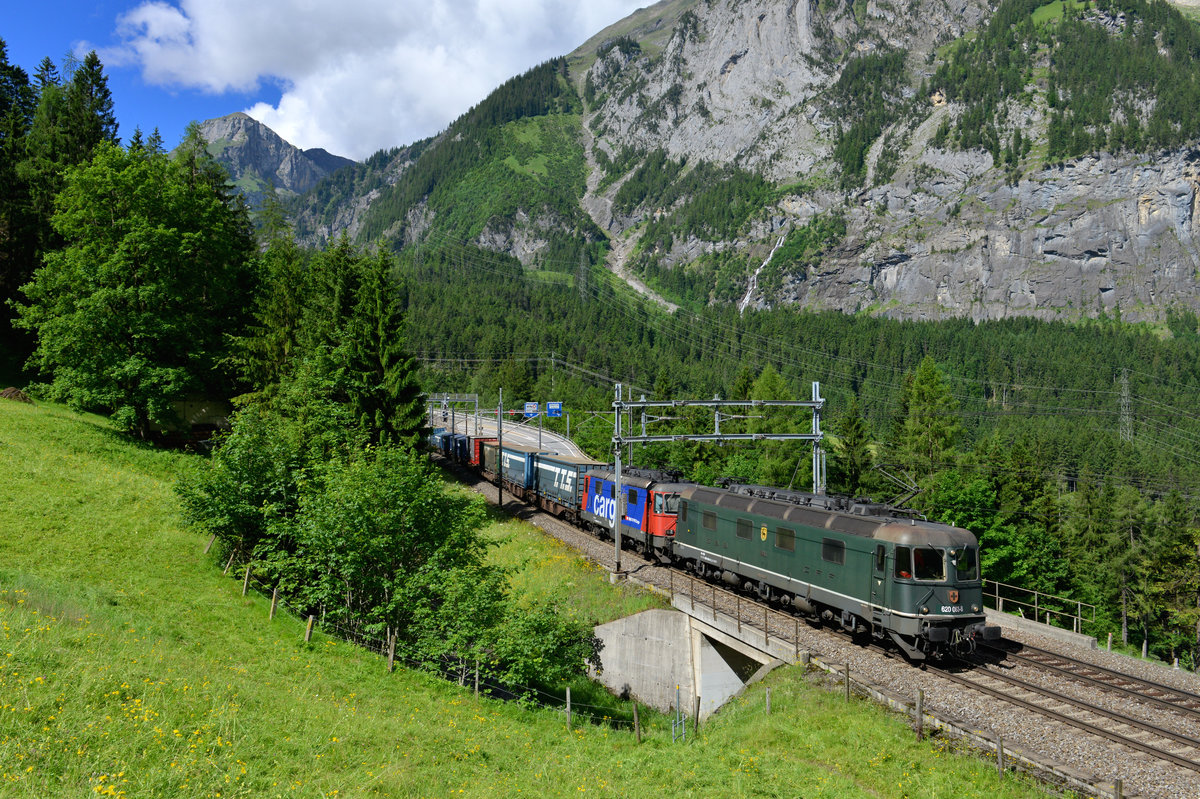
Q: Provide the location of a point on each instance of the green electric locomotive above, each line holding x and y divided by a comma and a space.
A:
866, 567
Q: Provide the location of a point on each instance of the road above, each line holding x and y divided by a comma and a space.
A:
517, 430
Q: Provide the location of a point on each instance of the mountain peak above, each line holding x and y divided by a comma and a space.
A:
258, 159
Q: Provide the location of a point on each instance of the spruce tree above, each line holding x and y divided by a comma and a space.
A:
376, 368
89, 111
853, 452
18, 224
931, 428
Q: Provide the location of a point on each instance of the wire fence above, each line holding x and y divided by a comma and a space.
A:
474, 675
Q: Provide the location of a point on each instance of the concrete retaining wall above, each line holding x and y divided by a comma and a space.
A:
665, 657
1011, 622
646, 655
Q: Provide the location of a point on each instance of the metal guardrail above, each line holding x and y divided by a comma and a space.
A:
1043, 606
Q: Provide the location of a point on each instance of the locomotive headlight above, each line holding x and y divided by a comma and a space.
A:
974, 608
924, 610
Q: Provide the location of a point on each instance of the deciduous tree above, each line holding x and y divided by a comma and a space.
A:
131, 314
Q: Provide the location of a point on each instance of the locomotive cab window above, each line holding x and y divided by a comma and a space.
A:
666, 503
833, 551
928, 564
966, 564
631, 498
743, 528
903, 563
880, 558
785, 539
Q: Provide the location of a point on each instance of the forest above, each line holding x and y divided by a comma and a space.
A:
1136, 91
1069, 449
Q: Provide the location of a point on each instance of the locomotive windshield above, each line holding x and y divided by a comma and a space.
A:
920, 563
666, 503
966, 564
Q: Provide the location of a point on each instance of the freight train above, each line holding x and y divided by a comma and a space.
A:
866, 567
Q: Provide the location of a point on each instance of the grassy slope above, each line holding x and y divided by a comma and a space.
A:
540, 164
652, 27
130, 666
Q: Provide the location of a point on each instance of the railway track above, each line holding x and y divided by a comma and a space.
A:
1151, 739
1142, 690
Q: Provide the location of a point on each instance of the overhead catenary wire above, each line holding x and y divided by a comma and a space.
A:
685, 329
635, 308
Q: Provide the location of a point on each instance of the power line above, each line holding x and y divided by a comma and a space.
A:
685, 329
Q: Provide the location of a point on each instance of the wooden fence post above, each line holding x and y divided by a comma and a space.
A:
1118, 789
476, 676
229, 562
246, 581
309, 629
391, 652
920, 712
211, 541
696, 715
768, 701
847, 682
274, 602
637, 725
568, 709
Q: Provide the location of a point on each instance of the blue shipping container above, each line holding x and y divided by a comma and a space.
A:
601, 502
516, 464
560, 478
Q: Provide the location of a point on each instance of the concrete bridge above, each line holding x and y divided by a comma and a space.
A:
693, 650
697, 651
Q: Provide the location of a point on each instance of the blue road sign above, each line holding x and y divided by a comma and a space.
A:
554, 409
531, 410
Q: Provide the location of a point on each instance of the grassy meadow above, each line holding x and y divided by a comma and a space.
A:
129, 666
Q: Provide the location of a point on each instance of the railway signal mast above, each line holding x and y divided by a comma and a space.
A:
620, 405
448, 404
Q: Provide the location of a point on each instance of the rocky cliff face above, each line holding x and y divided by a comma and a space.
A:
743, 81
938, 233
1099, 235
930, 232
259, 159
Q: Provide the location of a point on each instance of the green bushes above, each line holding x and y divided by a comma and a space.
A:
370, 541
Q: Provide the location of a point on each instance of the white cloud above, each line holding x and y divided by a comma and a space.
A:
356, 75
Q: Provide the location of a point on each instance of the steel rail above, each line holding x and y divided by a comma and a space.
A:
1192, 709
1092, 729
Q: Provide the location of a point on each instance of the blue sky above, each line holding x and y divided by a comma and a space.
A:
352, 76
